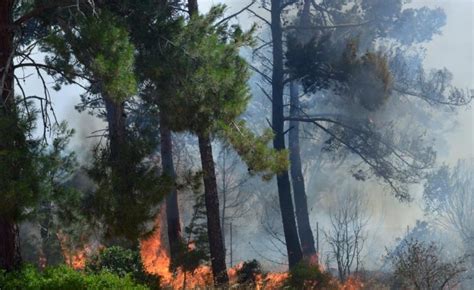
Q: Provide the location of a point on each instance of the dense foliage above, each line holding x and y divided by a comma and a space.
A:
304, 276
62, 278
123, 263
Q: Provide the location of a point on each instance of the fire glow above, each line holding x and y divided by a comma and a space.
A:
156, 260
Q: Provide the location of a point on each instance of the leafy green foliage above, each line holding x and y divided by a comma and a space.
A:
254, 150
112, 55
304, 276
125, 214
19, 179
63, 278
121, 262
83, 49
205, 80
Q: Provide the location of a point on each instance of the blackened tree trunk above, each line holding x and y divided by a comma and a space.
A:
284, 189
297, 179
172, 210
214, 231
9, 239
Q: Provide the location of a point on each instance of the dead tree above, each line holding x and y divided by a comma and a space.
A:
419, 265
347, 234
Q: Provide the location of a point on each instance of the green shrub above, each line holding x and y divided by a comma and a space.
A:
305, 276
122, 262
64, 278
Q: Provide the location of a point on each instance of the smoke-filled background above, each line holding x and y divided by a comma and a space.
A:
254, 219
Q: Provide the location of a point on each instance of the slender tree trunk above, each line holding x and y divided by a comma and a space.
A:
117, 129
172, 210
9, 239
211, 197
284, 189
297, 178
224, 197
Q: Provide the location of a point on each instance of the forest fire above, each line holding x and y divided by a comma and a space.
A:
271, 281
73, 257
351, 283
157, 261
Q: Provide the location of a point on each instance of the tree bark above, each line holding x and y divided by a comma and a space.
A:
192, 7
10, 257
9, 239
120, 162
211, 197
284, 190
116, 128
172, 210
297, 179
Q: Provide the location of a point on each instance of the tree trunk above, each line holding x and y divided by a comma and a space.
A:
284, 190
120, 161
224, 199
192, 7
117, 129
10, 257
172, 210
297, 178
9, 240
211, 197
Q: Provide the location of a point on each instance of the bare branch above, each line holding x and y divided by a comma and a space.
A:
236, 13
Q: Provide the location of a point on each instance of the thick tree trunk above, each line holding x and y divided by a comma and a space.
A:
172, 210
9, 240
297, 179
284, 190
192, 7
9, 245
211, 197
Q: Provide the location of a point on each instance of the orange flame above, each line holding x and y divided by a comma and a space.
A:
156, 260
352, 283
73, 256
271, 281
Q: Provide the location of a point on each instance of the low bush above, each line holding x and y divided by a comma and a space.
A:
305, 276
122, 262
248, 273
64, 278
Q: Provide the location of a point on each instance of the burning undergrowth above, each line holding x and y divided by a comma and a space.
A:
244, 275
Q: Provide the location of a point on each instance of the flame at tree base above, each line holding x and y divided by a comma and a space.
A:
156, 260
